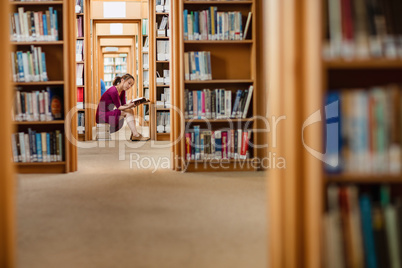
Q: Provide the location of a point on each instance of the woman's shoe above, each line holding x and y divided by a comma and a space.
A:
138, 138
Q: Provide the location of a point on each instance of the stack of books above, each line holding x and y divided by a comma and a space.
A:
103, 132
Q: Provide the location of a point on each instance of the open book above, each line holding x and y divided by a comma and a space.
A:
139, 101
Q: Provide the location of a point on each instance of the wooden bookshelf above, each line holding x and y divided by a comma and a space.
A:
158, 65
297, 196
60, 76
145, 61
228, 71
112, 60
84, 131
36, 3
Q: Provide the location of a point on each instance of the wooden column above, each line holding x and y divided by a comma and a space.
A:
7, 185
285, 185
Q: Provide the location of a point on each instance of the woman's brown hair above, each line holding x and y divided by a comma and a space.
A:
118, 79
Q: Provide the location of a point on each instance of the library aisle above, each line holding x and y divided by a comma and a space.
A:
131, 217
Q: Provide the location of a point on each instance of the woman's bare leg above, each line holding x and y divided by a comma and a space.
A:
129, 115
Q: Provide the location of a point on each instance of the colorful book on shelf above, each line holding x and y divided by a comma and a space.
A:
391, 226
362, 135
247, 25
367, 229
56, 101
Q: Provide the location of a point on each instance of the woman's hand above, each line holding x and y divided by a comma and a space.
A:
127, 106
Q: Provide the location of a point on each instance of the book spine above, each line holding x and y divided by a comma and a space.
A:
56, 25
22, 146
39, 147
248, 101
367, 229
44, 25
185, 24
224, 136
44, 73
197, 142
14, 147
27, 148
48, 147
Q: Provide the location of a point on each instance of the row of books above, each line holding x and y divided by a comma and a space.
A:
362, 227
145, 78
145, 26
145, 47
120, 70
218, 144
162, 50
108, 61
197, 65
29, 66
213, 25
80, 74
81, 123
163, 122
34, 26
79, 6
217, 104
163, 23
163, 80
120, 60
162, 5
44, 105
364, 130
79, 50
163, 29
145, 60
363, 29
146, 93
108, 69
165, 100
80, 26
80, 98
37, 146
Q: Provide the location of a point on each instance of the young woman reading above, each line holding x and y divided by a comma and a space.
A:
112, 107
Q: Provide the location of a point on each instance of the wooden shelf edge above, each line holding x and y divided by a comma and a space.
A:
48, 83
219, 120
248, 41
219, 81
363, 178
217, 2
42, 43
17, 3
54, 122
36, 167
363, 64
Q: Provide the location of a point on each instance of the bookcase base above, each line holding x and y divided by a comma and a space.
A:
27, 168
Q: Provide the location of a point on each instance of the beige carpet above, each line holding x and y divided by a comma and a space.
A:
110, 215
